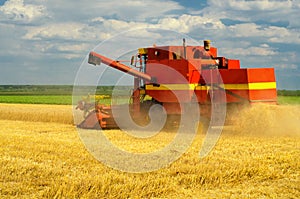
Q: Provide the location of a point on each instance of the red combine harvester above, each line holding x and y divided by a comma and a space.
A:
175, 75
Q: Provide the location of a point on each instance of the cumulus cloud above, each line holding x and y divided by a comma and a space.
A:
129, 10
252, 5
67, 31
273, 34
186, 23
73, 47
101, 28
256, 31
17, 11
254, 51
72, 31
267, 11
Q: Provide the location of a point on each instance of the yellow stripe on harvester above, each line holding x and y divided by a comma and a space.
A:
249, 86
235, 86
262, 85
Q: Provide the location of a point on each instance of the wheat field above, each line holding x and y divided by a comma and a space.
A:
42, 156
37, 113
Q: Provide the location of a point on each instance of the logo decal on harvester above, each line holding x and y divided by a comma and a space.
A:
161, 84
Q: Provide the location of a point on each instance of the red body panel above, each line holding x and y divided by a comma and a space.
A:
261, 75
267, 95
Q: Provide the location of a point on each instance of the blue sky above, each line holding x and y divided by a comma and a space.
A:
45, 41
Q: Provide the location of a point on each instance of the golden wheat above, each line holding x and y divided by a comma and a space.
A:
48, 160
37, 113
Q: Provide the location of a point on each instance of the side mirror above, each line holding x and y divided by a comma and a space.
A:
132, 60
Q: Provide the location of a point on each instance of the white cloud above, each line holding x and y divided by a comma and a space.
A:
55, 31
73, 47
140, 10
272, 34
65, 31
183, 23
16, 10
290, 37
186, 23
253, 51
252, 5
129, 10
264, 46
267, 11
114, 25
254, 30
101, 28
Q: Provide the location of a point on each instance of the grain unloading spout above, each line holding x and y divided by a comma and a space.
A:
97, 59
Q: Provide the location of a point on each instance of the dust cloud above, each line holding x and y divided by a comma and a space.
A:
267, 120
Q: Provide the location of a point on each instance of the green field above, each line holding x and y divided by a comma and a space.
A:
62, 94
36, 99
50, 94
67, 99
288, 99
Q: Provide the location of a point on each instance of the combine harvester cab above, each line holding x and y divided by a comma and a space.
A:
194, 74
